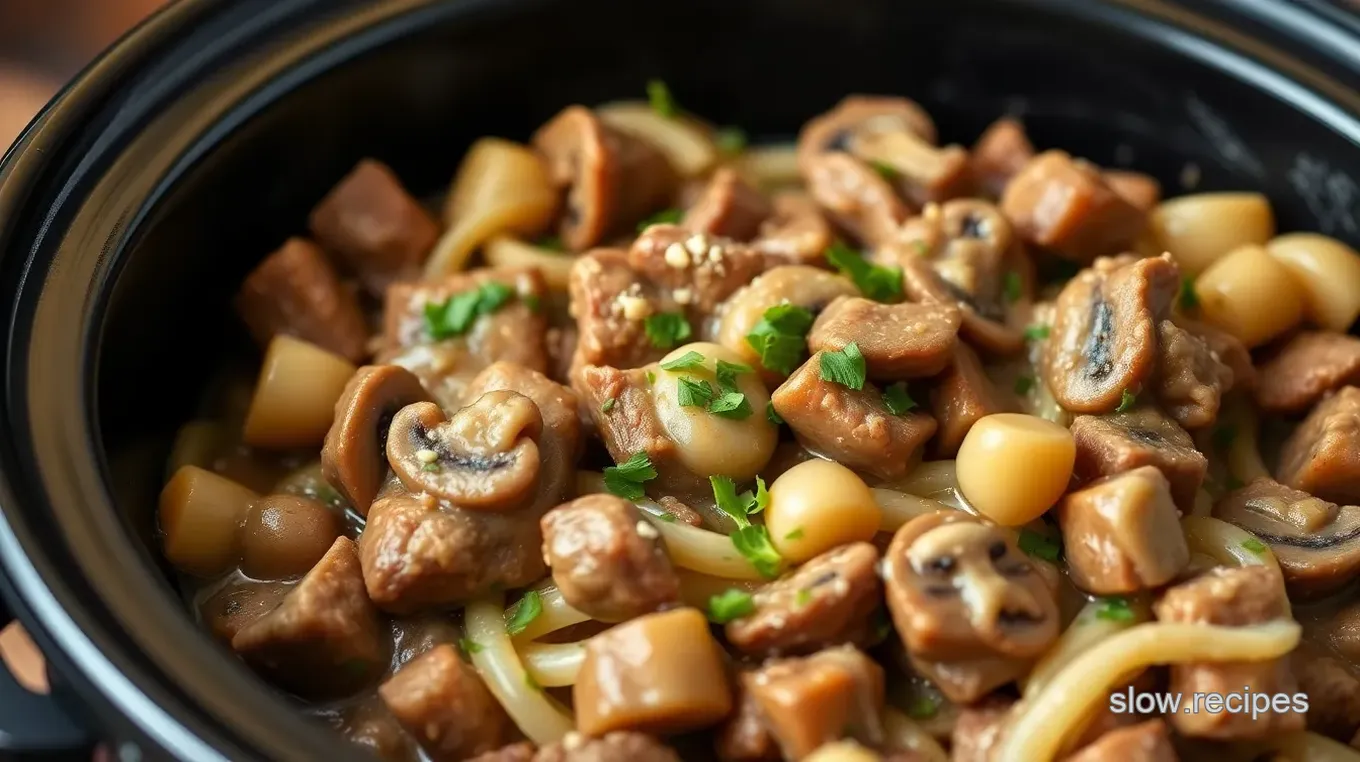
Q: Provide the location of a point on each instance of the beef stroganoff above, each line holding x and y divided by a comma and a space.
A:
643, 443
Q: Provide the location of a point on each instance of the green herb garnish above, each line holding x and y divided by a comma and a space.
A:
688, 360
469, 646
1037, 332
551, 242
666, 518
693, 392
772, 415
897, 398
663, 217
430, 468
731, 405
802, 598
882, 284
524, 612
923, 707
845, 367
1223, 437
781, 337
1126, 402
455, 315
730, 140
730, 604
1011, 287
1023, 385
796, 534
608, 405
663, 103
1189, 298
1115, 609
1254, 545
1039, 545
886, 171
751, 541
627, 478
666, 329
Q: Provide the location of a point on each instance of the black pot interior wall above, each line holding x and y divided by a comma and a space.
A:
1093, 85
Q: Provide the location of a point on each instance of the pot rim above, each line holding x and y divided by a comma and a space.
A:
125, 671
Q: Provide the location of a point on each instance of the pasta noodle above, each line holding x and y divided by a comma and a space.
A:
1084, 633
557, 615
899, 507
905, 735
1227, 544
1051, 714
504, 251
553, 665
541, 718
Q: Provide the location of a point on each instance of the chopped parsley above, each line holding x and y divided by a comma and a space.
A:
1234, 483
430, 468
668, 518
731, 405
693, 392
802, 598
845, 367
1223, 437
1023, 385
627, 478
532, 302
897, 398
1037, 332
882, 284
1011, 287
666, 329
608, 405
886, 171
727, 373
772, 415
651, 377
688, 360
469, 646
923, 707
1189, 298
524, 612
781, 337
455, 315
752, 541
551, 243
1126, 402
730, 140
663, 217
1254, 545
796, 534
1040, 546
730, 604
1115, 608
663, 103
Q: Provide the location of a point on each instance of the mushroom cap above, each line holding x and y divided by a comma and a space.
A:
969, 242
924, 284
352, 459
959, 588
483, 458
580, 158
858, 115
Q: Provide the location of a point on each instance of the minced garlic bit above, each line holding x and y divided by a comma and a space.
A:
647, 531
676, 256
682, 295
715, 253
696, 245
427, 456
635, 307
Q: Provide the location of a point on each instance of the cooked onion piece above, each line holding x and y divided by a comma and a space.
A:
696, 588
685, 142
196, 444
1085, 631
1327, 271
897, 508
1250, 295
552, 665
818, 505
540, 718
1054, 712
557, 615
1244, 455
501, 187
1013, 467
200, 516
1200, 228
506, 251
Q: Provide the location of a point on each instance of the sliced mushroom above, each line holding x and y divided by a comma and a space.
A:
898, 341
919, 171
1316, 542
1104, 339
484, 458
858, 198
353, 459
923, 284
861, 116
967, 601
1113, 444
796, 233
969, 243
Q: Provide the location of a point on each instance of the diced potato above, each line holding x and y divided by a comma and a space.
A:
818, 505
1013, 467
198, 443
295, 396
200, 517
501, 188
685, 143
1200, 228
1328, 273
1251, 295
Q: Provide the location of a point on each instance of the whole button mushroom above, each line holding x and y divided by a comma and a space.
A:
970, 607
485, 457
285, 535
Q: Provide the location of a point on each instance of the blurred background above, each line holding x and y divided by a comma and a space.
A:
43, 43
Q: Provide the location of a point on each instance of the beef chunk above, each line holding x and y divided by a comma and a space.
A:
853, 427
515, 752
1333, 692
856, 197
1322, 456
729, 207
610, 303
1305, 369
1143, 191
1190, 380
236, 606
373, 224
979, 728
1119, 442
1316, 543
999, 155
514, 332
1231, 597
898, 341
368, 725
325, 638
1226, 348
607, 560
806, 702
619, 746
1064, 205
1122, 533
1145, 742
631, 425
744, 737
443, 703
962, 396
1104, 338
796, 233
295, 292
418, 553
924, 285
694, 269
828, 601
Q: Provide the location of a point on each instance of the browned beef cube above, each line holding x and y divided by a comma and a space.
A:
1322, 456
295, 292
1119, 442
1062, 204
443, 703
1307, 368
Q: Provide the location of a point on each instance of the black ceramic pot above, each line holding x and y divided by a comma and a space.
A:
142, 195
